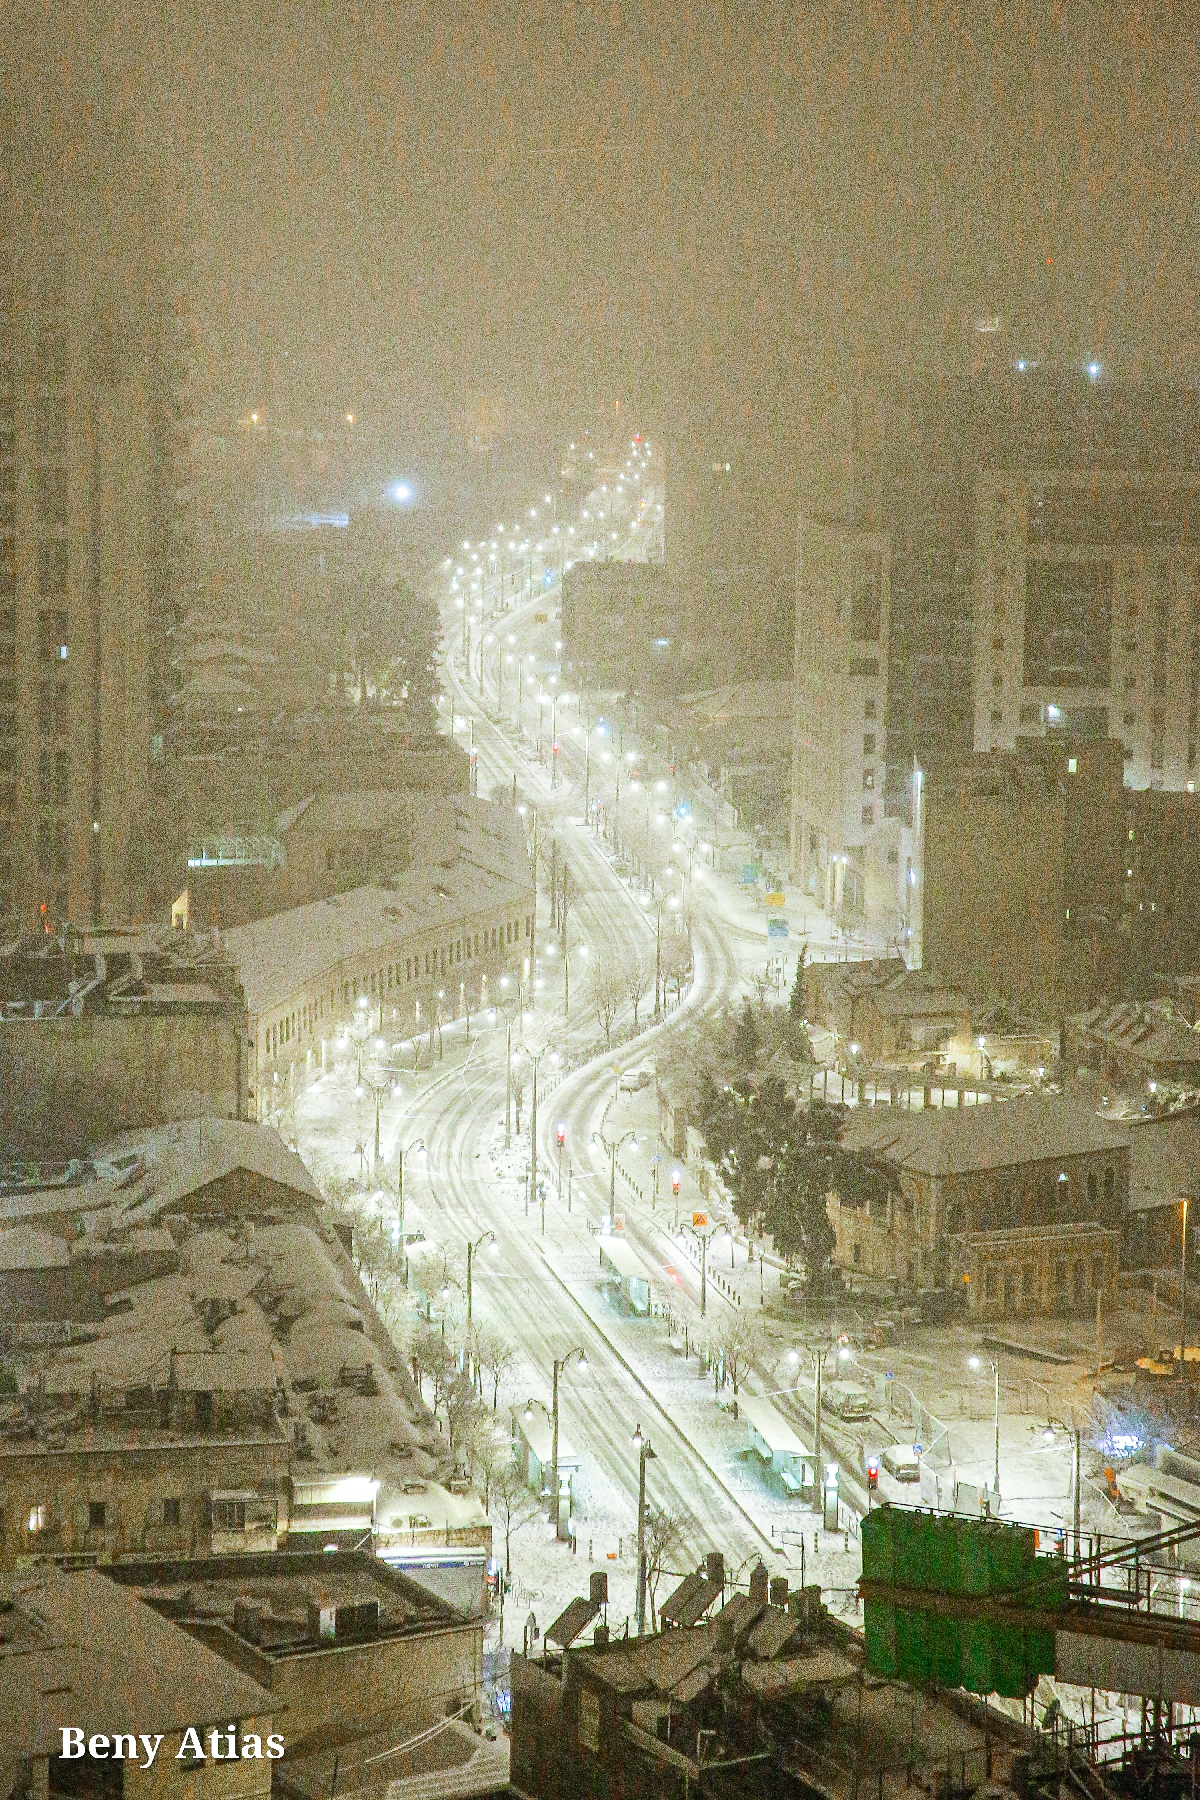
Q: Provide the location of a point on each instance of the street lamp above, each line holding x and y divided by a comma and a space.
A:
645, 1455
560, 1363
598, 1137
535, 1057
976, 1363
406, 1150
488, 1238
704, 1238
1052, 1426
505, 982
818, 1353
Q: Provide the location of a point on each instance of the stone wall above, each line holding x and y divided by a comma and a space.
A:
69, 1083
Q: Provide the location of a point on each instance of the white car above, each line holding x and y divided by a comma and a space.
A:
901, 1462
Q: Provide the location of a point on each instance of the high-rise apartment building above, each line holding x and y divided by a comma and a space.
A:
1087, 572
89, 438
846, 845
1037, 538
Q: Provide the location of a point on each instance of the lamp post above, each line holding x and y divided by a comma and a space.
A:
818, 1353
645, 1454
406, 1150
488, 1238
560, 1363
704, 1238
504, 982
977, 1362
598, 1137
535, 1057
1074, 1432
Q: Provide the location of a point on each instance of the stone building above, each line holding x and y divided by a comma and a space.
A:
1015, 1205
82, 1653
1138, 1047
348, 1648
894, 1014
435, 940
249, 1398
107, 1030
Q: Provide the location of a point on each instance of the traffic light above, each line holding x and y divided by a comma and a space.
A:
561, 1134
872, 1473
676, 1179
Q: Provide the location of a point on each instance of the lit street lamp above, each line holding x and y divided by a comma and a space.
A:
819, 1352
704, 1238
976, 1363
598, 1137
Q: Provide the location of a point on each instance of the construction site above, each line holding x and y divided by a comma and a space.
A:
990, 1661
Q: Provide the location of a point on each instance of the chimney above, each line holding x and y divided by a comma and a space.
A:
714, 1568
247, 1620
779, 1590
758, 1585
598, 1587
321, 1622
600, 1637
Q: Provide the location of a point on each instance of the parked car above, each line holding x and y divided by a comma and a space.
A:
633, 1080
902, 1462
848, 1400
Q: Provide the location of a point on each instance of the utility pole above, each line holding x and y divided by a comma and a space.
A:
533, 915
1182, 1307
644, 1454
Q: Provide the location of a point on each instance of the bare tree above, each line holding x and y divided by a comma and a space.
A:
638, 973
664, 1543
676, 959
733, 1342
433, 1361
464, 1412
496, 1355
607, 994
515, 1503
518, 1092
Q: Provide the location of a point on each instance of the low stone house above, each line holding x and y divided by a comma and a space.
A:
1018, 1205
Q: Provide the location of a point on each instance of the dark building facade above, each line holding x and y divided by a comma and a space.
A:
1021, 859
1031, 537
91, 436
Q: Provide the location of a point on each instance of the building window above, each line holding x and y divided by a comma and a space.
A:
97, 1513
868, 781
997, 717
869, 711
868, 815
229, 1515
172, 1510
39, 1518
869, 744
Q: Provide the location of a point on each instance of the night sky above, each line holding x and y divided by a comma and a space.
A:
419, 209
